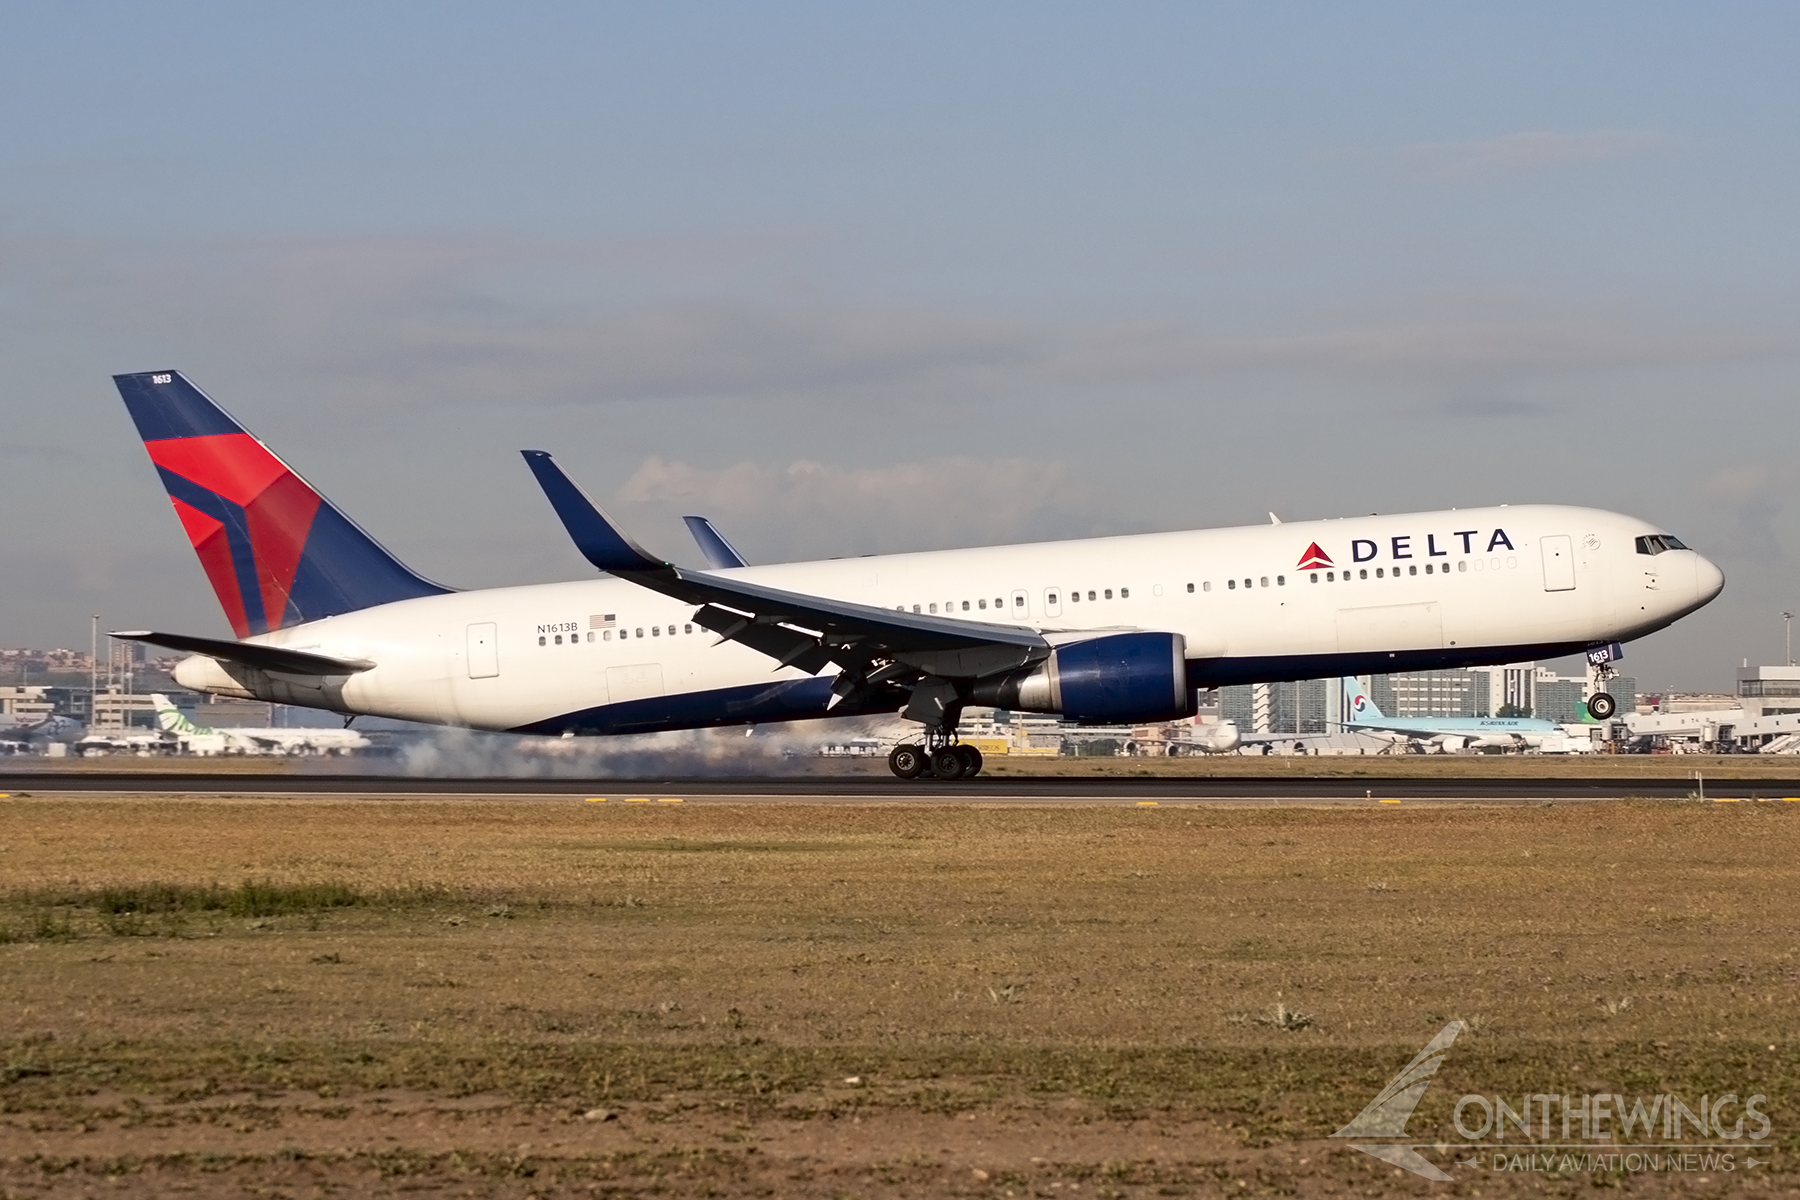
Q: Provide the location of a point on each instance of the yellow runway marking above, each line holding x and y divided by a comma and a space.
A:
596, 799
1146, 804
1387, 802
1725, 799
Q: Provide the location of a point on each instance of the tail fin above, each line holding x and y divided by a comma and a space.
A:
277, 552
1358, 706
720, 554
171, 719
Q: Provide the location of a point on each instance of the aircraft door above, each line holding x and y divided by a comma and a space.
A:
484, 651
1559, 562
1053, 602
1021, 605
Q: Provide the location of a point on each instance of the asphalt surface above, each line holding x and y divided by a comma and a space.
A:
876, 789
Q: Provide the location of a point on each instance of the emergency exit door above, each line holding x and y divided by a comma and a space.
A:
484, 651
1559, 563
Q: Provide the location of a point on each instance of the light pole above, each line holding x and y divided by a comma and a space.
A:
1787, 621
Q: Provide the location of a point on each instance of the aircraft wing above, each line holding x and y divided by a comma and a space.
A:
251, 654
794, 628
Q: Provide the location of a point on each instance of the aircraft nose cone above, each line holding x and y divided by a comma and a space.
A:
1709, 581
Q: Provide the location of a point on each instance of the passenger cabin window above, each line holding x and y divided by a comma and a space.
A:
1281, 581
982, 603
1051, 598
1231, 584
1090, 595
1207, 586
965, 606
1109, 593
1124, 593
540, 641
1265, 581
932, 607
1190, 588
1412, 570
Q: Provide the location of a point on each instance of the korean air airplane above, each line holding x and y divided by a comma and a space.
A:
1118, 630
1451, 733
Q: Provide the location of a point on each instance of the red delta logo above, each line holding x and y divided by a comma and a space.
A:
1314, 557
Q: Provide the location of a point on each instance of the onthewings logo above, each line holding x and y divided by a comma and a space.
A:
1387, 1114
1314, 557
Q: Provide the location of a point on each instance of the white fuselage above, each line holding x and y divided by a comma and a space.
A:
1380, 593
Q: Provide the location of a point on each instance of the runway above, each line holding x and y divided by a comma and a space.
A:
862, 789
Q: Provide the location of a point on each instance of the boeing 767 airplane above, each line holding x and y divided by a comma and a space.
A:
1115, 630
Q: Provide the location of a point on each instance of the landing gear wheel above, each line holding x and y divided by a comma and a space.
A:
949, 763
907, 761
1601, 706
971, 761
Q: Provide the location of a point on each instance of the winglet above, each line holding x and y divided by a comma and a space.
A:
593, 533
720, 554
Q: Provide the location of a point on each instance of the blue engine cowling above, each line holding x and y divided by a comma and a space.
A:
1120, 679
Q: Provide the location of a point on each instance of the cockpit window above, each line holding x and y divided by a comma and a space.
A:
1656, 543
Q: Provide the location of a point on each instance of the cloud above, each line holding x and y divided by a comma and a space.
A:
1531, 150
1496, 407
409, 321
1754, 497
814, 509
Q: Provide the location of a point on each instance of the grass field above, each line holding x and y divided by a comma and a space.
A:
301, 997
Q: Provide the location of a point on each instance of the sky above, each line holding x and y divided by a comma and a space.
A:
856, 278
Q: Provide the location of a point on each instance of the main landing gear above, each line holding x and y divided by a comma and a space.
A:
946, 761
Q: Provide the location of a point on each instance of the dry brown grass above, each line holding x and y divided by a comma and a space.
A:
1075, 977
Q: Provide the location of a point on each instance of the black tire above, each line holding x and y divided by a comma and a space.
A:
907, 761
1601, 706
971, 761
948, 763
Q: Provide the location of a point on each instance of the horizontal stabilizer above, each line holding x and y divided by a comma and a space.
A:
251, 654
593, 532
720, 554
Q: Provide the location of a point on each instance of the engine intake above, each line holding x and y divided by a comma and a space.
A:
1116, 680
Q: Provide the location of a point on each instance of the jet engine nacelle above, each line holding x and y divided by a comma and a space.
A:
1122, 679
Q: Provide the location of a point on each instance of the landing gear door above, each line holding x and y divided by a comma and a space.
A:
1559, 563
484, 651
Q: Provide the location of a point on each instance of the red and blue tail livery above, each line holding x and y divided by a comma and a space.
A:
276, 551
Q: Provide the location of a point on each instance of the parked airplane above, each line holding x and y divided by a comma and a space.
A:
1118, 630
253, 740
1449, 733
54, 727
